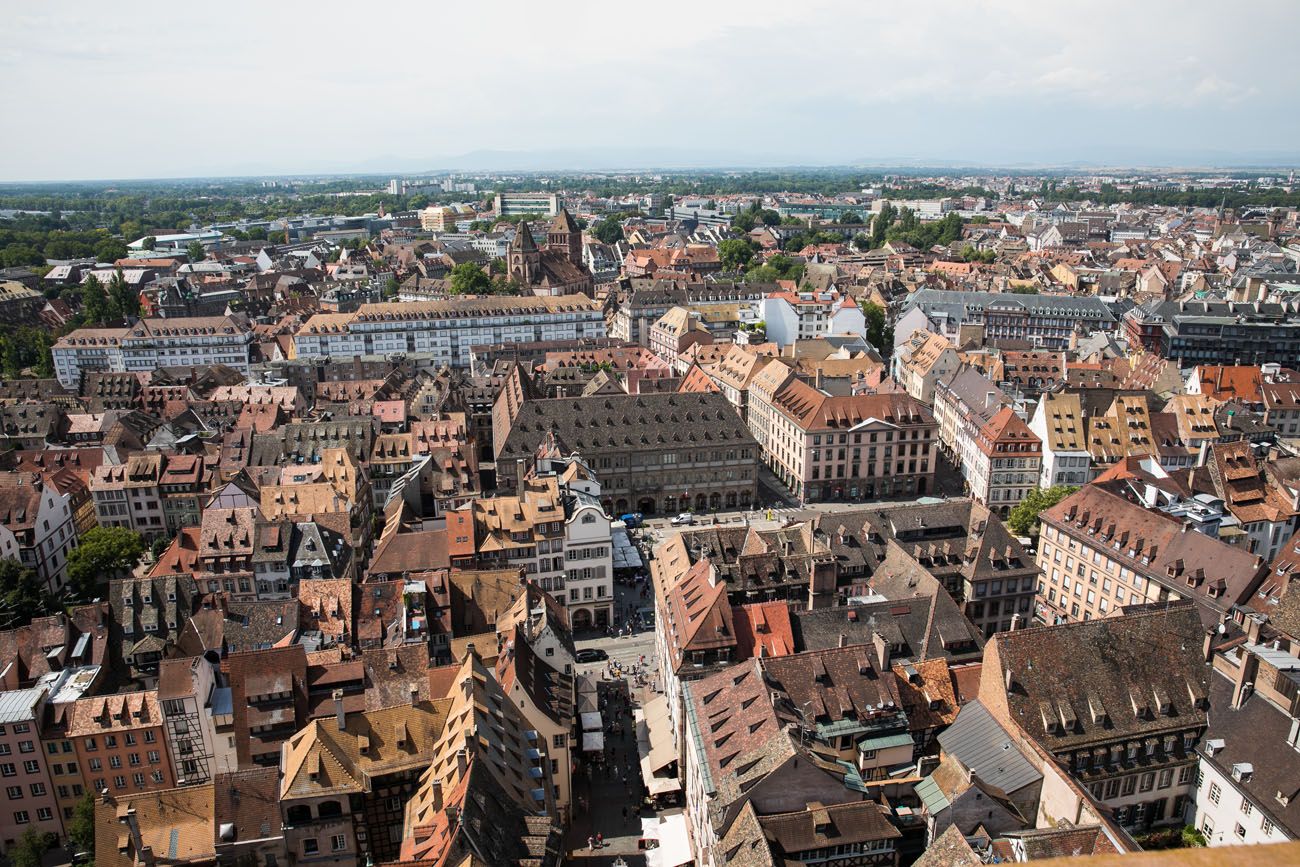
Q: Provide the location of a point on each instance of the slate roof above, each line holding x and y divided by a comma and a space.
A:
606, 424
980, 743
1255, 734
1123, 670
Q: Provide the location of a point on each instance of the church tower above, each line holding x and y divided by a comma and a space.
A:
523, 259
565, 237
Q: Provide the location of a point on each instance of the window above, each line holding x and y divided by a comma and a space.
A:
38, 790
26, 747
1166, 778
15, 793
138, 779
115, 761
21, 817
95, 764
1266, 826
44, 814
1247, 807
119, 782
1240, 831
110, 741
338, 843
1215, 792
156, 776
558, 742
309, 846
7, 769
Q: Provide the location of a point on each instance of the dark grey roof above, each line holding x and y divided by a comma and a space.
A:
1255, 734
980, 743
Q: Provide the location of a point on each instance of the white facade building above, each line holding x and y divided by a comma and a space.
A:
448, 329
38, 531
792, 316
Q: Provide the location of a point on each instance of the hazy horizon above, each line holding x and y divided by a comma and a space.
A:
127, 91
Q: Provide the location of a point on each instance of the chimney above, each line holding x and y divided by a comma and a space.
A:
990, 397
1244, 680
415, 693
435, 791
1207, 647
882, 651
340, 714
146, 856
133, 827
844, 640
462, 762
818, 379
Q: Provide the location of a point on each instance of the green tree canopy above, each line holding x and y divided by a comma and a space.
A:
23, 595
469, 279
880, 333
608, 230
104, 553
195, 252
1023, 519
94, 301
849, 218
110, 250
31, 848
81, 827
735, 253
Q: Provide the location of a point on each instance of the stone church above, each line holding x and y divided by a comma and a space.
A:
555, 269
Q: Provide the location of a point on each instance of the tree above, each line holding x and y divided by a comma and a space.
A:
861, 242
94, 301
608, 230
195, 252
122, 299
469, 279
104, 553
735, 253
391, 287
849, 218
110, 250
150, 242
22, 595
880, 333
81, 827
1023, 519
880, 224
31, 848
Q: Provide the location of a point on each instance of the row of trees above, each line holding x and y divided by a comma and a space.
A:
894, 224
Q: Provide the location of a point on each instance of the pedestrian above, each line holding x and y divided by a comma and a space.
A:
591, 843
600, 840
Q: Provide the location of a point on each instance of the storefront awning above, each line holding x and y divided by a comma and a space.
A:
591, 722
593, 742
674, 847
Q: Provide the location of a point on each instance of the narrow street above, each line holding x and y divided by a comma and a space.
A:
609, 796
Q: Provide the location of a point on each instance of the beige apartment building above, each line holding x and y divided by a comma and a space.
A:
1098, 552
841, 447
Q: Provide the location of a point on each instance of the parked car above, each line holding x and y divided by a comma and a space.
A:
591, 654
683, 518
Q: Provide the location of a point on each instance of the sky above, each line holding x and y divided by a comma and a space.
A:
148, 90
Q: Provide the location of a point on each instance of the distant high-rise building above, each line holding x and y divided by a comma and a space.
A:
397, 187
